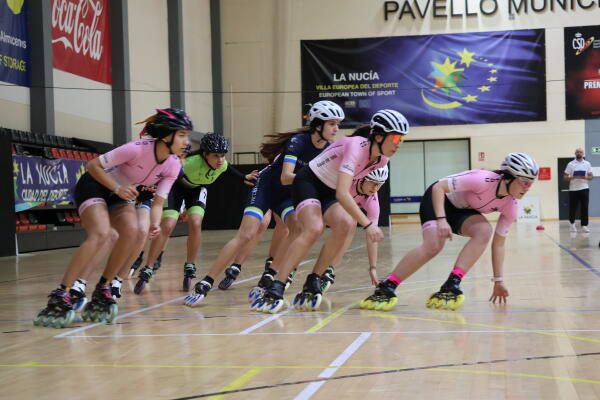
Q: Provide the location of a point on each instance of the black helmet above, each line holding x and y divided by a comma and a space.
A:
214, 143
166, 121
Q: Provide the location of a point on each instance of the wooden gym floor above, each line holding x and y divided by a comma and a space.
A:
544, 344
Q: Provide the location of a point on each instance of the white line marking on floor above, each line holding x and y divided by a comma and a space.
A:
141, 310
338, 362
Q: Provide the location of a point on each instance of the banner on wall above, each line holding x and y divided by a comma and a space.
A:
14, 43
40, 180
529, 210
469, 78
582, 72
81, 38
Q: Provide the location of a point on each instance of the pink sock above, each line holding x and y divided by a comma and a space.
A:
395, 279
459, 272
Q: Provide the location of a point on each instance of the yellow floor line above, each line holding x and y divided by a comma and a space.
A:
38, 364
553, 378
254, 370
496, 327
238, 383
327, 320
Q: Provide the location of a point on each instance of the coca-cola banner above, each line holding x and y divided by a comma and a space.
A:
81, 38
14, 43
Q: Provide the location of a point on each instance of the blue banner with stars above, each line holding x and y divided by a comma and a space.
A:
468, 78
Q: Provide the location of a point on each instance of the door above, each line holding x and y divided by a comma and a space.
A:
563, 188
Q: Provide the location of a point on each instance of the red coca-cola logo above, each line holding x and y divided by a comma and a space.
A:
80, 38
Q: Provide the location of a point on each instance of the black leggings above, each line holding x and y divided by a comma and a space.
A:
579, 198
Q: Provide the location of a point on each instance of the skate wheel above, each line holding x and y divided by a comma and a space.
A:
297, 300
193, 299
432, 301
364, 303
315, 302
257, 304
187, 282
131, 273
325, 287
225, 283
113, 310
390, 304
139, 286
455, 304
275, 307
39, 318
255, 293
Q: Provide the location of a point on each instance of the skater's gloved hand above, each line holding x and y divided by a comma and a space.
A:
373, 275
153, 231
374, 234
499, 293
444, 229
127, 192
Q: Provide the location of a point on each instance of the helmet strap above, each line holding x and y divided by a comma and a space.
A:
169, 145
206, 161
320, 132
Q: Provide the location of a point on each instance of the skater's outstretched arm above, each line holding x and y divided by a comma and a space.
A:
500, 292
372, 250
342, 194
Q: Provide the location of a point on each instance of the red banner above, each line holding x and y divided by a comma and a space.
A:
81, 38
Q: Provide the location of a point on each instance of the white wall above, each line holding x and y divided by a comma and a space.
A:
261, 54
82, 107
14, 107
148, 58
197, 63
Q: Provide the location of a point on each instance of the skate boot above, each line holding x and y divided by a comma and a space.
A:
231, 274
189, 273
136, 264
449, 297
384, 298
327, 279
272, 301
77, 293
265, 282
290, 278
115, 288
158, 262
200, 291
59, 311
309, 299
144, 278
102, 308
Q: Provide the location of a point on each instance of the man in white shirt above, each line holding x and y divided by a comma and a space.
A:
578, 173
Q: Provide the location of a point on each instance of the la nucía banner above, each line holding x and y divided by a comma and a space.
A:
40, 180
468, 78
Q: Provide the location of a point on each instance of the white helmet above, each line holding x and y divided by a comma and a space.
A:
325, 111
390, 121
520, 164
379, 175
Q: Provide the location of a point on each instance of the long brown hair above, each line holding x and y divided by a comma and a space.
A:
273, 147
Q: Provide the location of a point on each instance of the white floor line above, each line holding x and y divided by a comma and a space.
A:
420, 332
141, 310
263, 322
334, 366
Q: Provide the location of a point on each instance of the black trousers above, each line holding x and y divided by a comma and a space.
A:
579, 198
